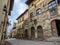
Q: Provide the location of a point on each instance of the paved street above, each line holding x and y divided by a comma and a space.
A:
28, 42
7, 43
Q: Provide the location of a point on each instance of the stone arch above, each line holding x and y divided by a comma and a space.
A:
40, 31
32, 32
54, 19
55, 27
26, 33
39, 27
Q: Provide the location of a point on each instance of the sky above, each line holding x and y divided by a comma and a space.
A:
18, 8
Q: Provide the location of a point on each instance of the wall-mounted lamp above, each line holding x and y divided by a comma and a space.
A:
4, 8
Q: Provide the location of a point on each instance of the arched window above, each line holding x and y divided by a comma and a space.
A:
32, 28
38, 11
52, 4
39, 28
31, 14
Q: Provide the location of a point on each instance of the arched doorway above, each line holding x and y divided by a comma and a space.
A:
40, 32
32, 32
26, 34
55, 24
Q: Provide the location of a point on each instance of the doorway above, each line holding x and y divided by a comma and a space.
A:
26, 34
56, 26
32, 32
40, 32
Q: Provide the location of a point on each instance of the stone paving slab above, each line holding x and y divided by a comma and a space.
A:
7, 43
29, 42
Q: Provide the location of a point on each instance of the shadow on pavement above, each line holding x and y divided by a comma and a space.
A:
7, 43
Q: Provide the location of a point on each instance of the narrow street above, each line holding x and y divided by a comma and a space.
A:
28, 42
29, 22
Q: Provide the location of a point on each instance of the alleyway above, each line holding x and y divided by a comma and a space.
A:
29, 42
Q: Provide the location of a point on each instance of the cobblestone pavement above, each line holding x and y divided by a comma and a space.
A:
28, 42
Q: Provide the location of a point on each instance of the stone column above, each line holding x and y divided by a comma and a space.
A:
29, 33
36, 33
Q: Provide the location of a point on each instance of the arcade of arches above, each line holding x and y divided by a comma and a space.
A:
55, 28
39, 32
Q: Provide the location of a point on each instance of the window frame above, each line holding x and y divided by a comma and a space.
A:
53, 11
38, 11
51, 4
31, 14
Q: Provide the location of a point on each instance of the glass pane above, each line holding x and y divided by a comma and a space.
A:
38, 11
52, 4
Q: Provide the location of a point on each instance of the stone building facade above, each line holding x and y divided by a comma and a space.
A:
41, 21
20, 26
5, 9
44, 19
13, 33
